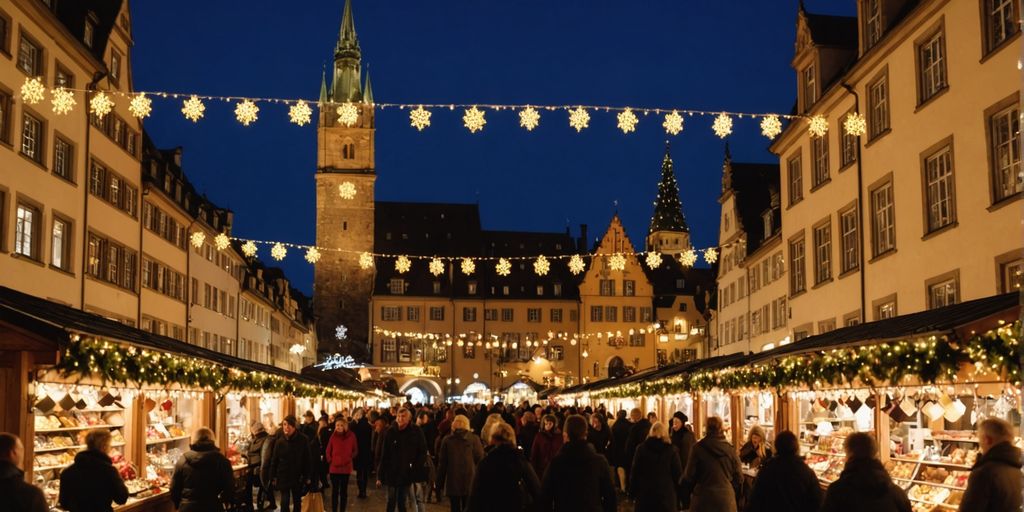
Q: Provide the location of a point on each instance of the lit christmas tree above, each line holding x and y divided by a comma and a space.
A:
668, 209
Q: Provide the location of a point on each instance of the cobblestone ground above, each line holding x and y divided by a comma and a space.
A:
376, 500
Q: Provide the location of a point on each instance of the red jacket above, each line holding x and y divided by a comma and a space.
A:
545, 446
341, 451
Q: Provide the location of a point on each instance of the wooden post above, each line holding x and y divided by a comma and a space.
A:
881, 427
700, 411
16, 407
220, 421
135, 427
736, 414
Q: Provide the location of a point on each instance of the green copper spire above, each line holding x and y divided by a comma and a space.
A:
668, 209
323, 86
367, 91
347, 59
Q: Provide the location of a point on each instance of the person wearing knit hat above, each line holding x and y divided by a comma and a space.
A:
756, 450
683, 441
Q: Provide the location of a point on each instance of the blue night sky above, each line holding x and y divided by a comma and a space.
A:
714, 55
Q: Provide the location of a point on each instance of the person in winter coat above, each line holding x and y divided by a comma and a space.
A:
756, 450
402, 460
864, 484
492, 419
380, 427
546, 444
712, 475
504, 481
683, 441
364, 458
266, 453
578, 479
429, 429
620, 434
655, 473
291, 466
323, 435
342, 450
637, 433
785, 483
17, 493
994, 483
92, 482
528, 429
598, 435
202, 479
254, 457
460, 452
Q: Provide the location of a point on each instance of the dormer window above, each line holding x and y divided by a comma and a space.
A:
810, 86
766, 219
872, 23
90, 30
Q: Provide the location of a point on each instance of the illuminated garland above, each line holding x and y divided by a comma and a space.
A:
130, 365
488, 340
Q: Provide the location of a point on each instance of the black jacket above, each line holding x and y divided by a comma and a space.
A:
637, 433
994, 483
91, 484
526, 435
655, 476
202, 480
18, 494
266, 454
255, 453
504, 481
748, 454
864, 485
290, 461
429, 430
683, 441
600, 440
364, 436
785, 484
620, 435
577, 480
403, 456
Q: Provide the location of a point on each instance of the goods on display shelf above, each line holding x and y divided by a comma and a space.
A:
238, 430
826, 420
758, 409
270, 413
720, 404
170, 422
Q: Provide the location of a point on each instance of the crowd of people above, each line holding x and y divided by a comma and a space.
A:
526, 458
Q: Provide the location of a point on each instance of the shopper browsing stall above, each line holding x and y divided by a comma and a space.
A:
995, 481
19, 494
92, 483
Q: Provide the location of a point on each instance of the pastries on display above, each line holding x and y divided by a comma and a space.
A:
901, 470
928, 493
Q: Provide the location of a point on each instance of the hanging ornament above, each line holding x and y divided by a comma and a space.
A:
62, 100
402, 264
278, 251
468, 266
101, 104
32, 91
673, 123
340, 332
817, 126
617, 262
855, 124
249, 249
312, 255
503, 268
933, 410
419, 118
579, 119
576, 264
436, 266
722, 125
140, 106
300, 113
771, 126
541, 265
193, 108
710, 255
688, 258
247, 112
529, 118
654, 259
365, 261
627, 120
221, 241
348, 113
954, 411
347, 190
474, 119
198, 237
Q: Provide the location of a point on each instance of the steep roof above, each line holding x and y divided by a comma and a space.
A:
827, 30
73, 15
754, 186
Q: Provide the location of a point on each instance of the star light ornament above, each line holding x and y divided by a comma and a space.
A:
419, 118
722, 126
402, 264
63, 101
627, 120
541, 265
365, 261
32, 91
247, 112
193, 108
855, 124
710, 255
347, 190
468, 266
300, 113
529, 118
140, 106
817, 126
198, 237
617, 262
249, 249
474, 119
340, 332
673, 123
348, 114
688, 258
221, 241
576, 264
278, 251
654, 259
503, 268
771, 126
312, 255
101, 105
436, 266
579, 119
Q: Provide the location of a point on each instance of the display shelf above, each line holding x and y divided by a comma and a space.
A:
73, 429
50, 468
946, 439
932, 463
150, 442
74, 447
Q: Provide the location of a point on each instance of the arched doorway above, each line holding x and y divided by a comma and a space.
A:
422, 391
616, 367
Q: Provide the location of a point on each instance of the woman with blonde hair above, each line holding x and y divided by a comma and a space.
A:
655, 472
492, 419
756, 451
458, 457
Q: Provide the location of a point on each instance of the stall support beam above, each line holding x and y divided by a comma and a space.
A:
736, 412
700, 412
15, 371
882, 427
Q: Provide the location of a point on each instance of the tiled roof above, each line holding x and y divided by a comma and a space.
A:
828, 30
73, 14
753, 186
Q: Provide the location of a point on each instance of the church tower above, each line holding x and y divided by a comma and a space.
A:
344, 198
668, 232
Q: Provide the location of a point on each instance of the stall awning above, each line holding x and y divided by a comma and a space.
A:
537, 388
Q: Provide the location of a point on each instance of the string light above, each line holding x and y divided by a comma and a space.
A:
312, 255
541, 265
503, 268
855, 124
468, 266
32, 91
688, 258
436, 266
249, 249
654, 259
300, 113
348, 114
722, 125
771, 126
246, 112
673, 123
365, 261
419, 118
402, 264
529, 118
474, 119
817, 126
576, 264
198, 237
62, 100
617, 262
221, 241
101, 104
347, 190
710, 255
140, 106
193, 108
627, 120
278, 251
579, 119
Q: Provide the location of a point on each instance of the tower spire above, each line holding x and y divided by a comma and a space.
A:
347, 61
367, 91
323, 85
727, 170
347, 33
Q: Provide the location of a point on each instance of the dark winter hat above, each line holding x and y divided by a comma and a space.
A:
682, 417
290, 420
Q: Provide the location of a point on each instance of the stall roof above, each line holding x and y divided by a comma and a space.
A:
537, 388
55, 323
713, 363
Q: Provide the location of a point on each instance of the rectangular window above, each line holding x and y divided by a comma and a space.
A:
779, 313
5, 117
112, 262
810, 87
1011, 276
60, 244
437, 287
391, 313
533, 314
611, 314
556, 315
115, 65
412, 313
797, 281
574, 315
468, 314
796, 180
540, 290
396, 286
872, 23
557, 290
646, 314
819, 159
943, 293
886, 310
1001, 22
30, 57
878, 106
471, 288
883, 220
940, 205
26, 231
32, 137
437, 313
469, 350
506, 314
931, 55
849, 241
826, 325
629, 288
63, 159
637, 340
556, 353
63, 78
628, 314
596, 314
607, 287
389, 350
5, 34
848, 154
1007, 179
491, 315
822, 253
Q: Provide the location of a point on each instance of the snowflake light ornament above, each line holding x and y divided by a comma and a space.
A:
365, 261
468, 266
617, 262
249, 249
576, 264
579, 119
347, 190
198, 237
855, 124
817, 126
436, 266
529, 118
340, 332
722, 125
771, 126
221, 241
654, 259
541, 265
503, 268
32, 90
688, 258
710, 255
247, 112
300, 113
673, 123
140, 106
627, 120
348, 114
101, 104
278, 251
419, 118
312, 255
474, 119
62, 100
193, 108
402, 264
